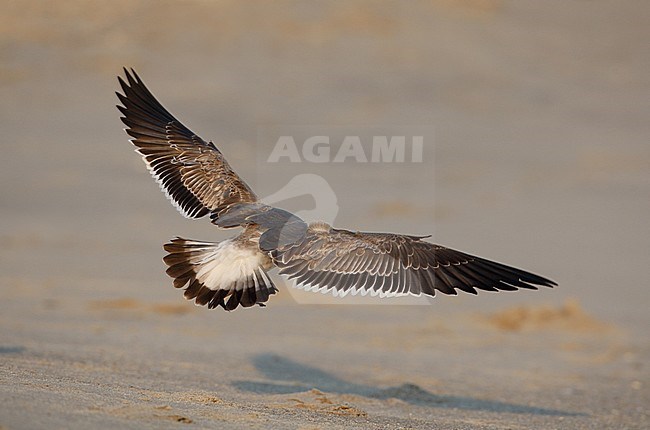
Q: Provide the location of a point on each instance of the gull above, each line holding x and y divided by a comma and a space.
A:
199, 182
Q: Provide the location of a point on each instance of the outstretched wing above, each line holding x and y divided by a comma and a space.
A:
391, 265
192, 172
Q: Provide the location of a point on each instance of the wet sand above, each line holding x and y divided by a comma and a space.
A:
541, 161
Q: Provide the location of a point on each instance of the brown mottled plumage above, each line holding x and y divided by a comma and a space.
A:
196, 177
199, 181
390, 265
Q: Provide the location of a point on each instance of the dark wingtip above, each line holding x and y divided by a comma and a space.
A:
135, 75
126, 74
544, 282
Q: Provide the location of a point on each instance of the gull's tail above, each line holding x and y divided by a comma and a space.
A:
225, 274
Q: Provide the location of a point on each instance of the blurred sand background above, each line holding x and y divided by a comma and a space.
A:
542, 161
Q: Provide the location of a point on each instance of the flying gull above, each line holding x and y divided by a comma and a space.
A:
199, 182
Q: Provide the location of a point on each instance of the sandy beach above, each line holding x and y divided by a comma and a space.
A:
537, 155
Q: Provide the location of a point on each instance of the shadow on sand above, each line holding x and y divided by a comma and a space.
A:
11, 349
287, 377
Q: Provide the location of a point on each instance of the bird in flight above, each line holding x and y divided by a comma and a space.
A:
199, 182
